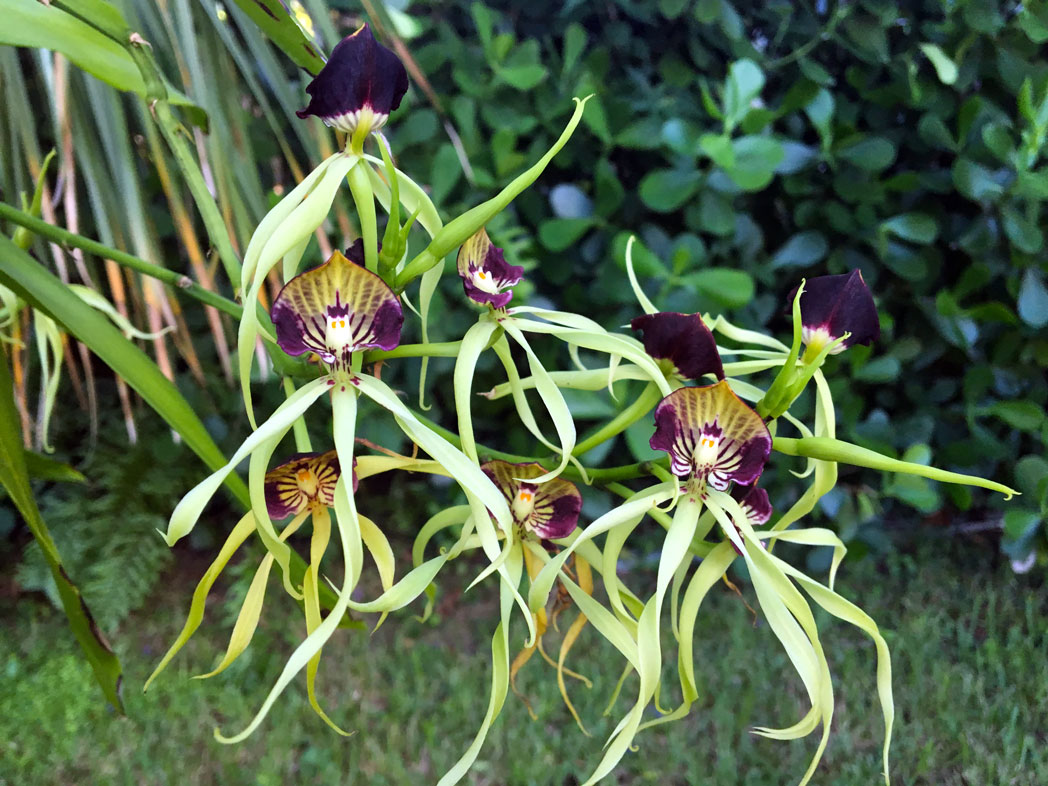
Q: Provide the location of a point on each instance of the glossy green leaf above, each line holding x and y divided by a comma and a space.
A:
280, 27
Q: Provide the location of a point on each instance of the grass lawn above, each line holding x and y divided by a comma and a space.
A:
969, 648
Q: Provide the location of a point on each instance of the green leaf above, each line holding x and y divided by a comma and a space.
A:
33, 283
1033, 299
1023, 415
801, 250
281, 28
36, 24
1023, 234
872, 153
666, 190
730, 288
718, 148
918, 228
716, 214
14, 477
557, 234
41, 467
975, 181
944, 66
743, 84
755, 161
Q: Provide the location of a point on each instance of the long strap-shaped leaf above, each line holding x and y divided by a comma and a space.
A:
33, 283
278, 26
15, 479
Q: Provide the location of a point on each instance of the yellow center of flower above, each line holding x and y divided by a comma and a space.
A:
308, 483
523, 505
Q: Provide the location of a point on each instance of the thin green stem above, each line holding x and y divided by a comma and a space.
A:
445, 349
643, 404
175, 280
596, 476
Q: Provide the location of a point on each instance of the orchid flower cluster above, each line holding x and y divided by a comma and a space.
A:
716, 425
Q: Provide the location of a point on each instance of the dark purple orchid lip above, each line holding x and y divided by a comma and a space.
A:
335, 310
754, 502
550, 510
834, 305
362, 83
682, 339
711, 436
303, 481
485, 273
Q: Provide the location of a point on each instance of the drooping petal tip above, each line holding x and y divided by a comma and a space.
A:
683, 340
305, 480
549, 510
335, 310
834, 305
711, 436
358, 87
485, 273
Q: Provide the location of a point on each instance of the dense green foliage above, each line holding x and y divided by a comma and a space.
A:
749, 145
970, 679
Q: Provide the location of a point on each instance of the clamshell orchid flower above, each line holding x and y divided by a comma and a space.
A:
358, 87
485, 273
712, 437
546, 510
682, 342
837, 307
335, 310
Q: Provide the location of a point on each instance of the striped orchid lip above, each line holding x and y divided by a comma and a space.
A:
711, 436
549, 510
485, 273
683, 340
305, 480
335, 310
834, 305
358, 87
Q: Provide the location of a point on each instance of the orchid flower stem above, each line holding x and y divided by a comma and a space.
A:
173, 279
446, 349
598, 477
640, 407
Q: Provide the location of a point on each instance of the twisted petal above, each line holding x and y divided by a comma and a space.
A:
682, 339
711, 436
485, 272
550, 510
834, 305
303, 481
360, 85
335, 310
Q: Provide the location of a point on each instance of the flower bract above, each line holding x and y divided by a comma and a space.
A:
358, 88
834, 305
711, 436
485, 272
335, 310
549, 510
683, 340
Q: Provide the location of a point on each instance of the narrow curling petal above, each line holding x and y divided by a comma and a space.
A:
304, 481
711, 436
834, 305
359, 86
683, 340
549, 510
484, 271
336, 309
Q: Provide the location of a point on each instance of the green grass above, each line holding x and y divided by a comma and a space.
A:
968, 644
